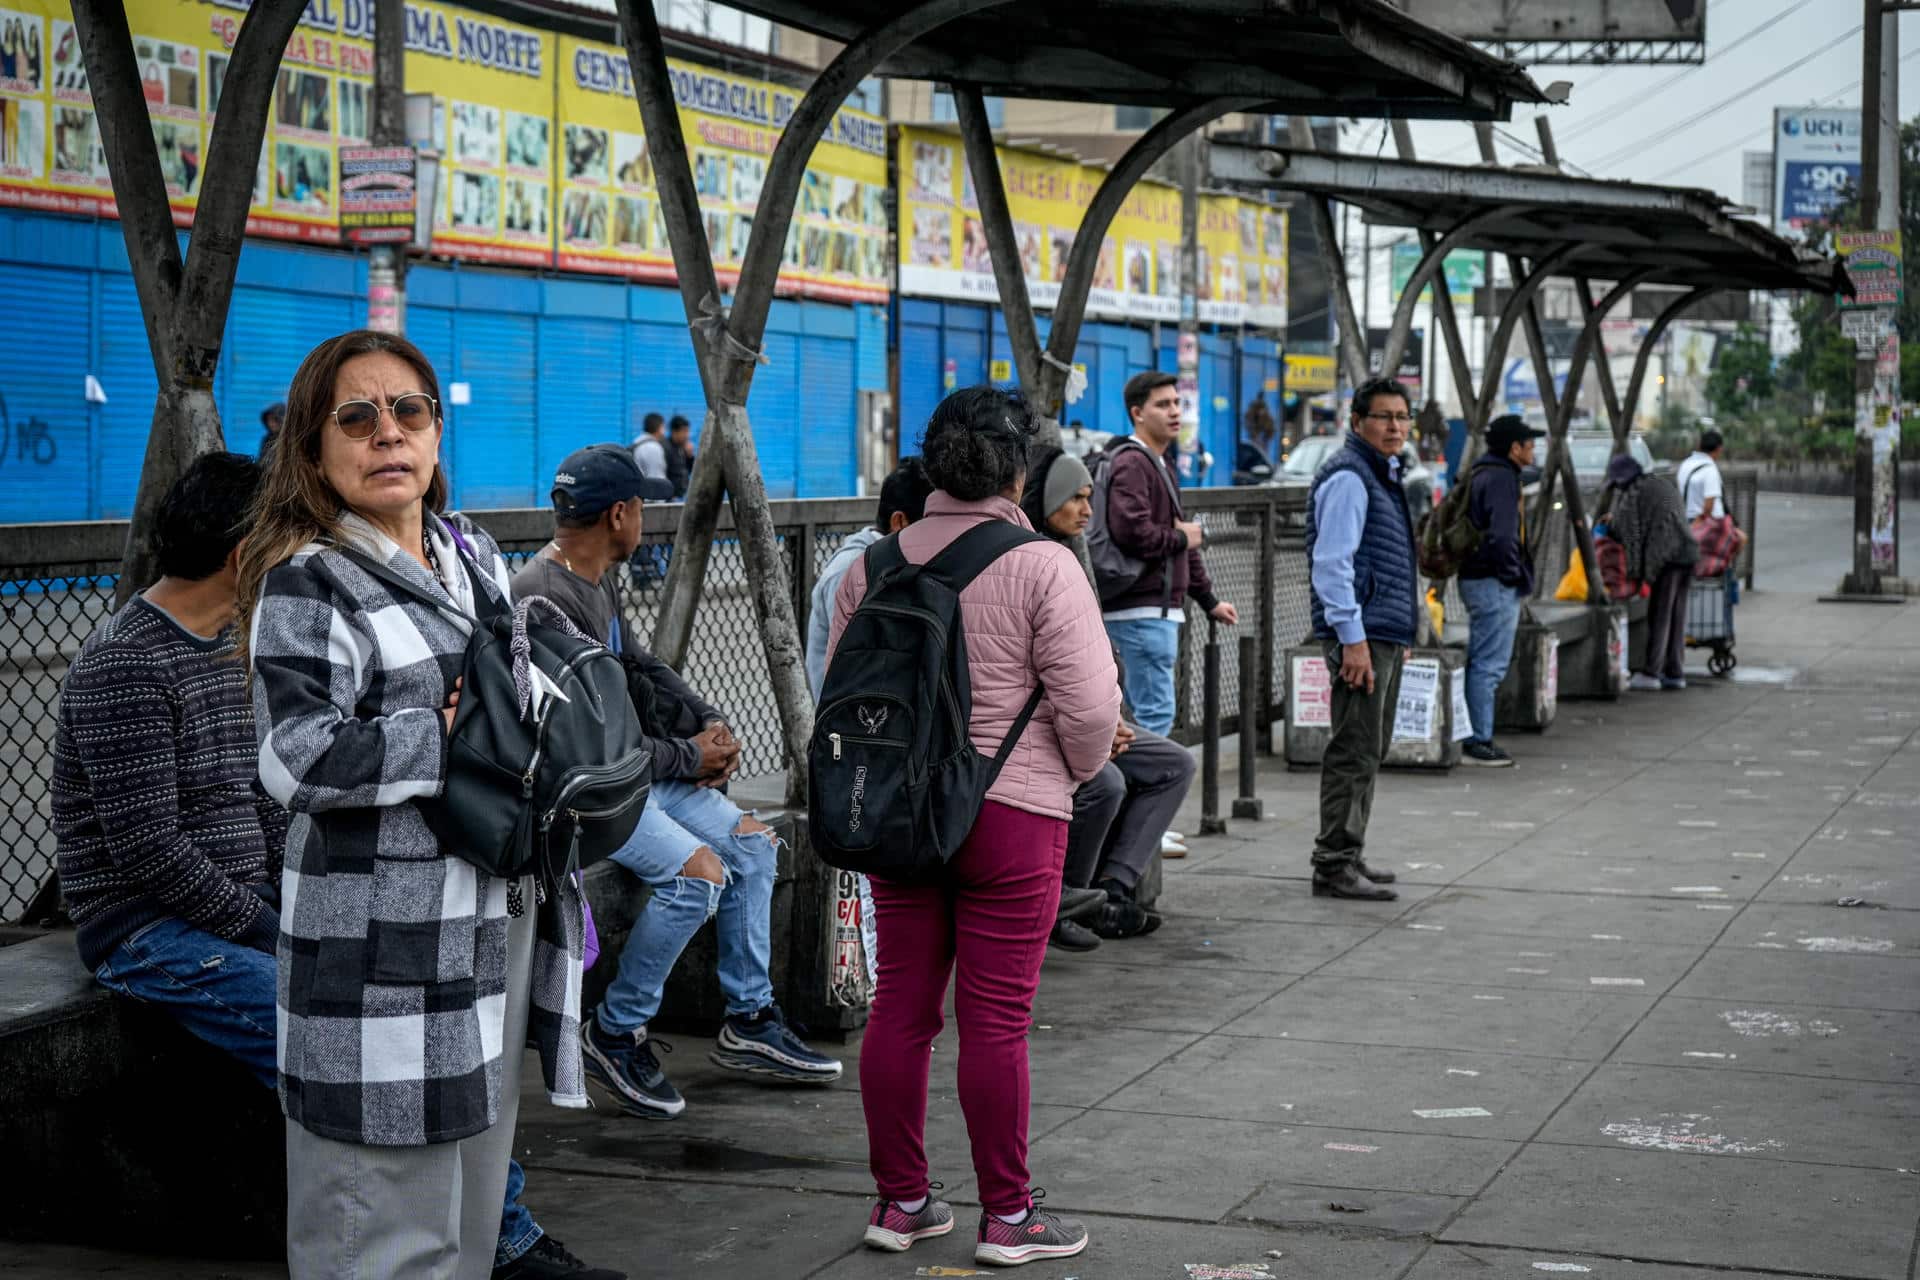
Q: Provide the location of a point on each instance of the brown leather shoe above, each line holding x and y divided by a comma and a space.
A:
1347, 882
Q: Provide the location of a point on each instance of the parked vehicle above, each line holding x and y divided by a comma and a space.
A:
1423, 485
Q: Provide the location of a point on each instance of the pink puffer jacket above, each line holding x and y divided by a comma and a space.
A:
1030, 616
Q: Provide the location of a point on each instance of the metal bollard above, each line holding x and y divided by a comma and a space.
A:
1247, 803
1210, 821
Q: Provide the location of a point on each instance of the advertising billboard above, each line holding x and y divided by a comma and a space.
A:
543, 160
609, 217
943, 244
1816, 161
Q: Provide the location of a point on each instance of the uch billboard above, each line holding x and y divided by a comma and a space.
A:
1816, 161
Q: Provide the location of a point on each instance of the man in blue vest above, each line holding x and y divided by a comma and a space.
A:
1365, 587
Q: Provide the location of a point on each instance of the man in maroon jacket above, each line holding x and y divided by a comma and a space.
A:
1144, 519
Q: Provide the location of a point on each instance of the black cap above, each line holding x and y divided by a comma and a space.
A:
595, 478
1508, 430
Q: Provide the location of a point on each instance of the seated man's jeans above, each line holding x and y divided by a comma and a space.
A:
681, 818
223, 992
1148, 649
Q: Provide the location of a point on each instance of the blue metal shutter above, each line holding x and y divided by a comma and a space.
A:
920, 369
431, 330
44, 446
773, 406
827, 417
126, 419
581, 392
662, 375
492, 438
966, 346
269, 332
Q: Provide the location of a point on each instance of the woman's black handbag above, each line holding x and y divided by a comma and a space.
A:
547, 768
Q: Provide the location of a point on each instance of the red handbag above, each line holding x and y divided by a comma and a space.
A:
1612, 559
1720, 541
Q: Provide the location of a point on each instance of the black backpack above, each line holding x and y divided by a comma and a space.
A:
895, 784
546, 793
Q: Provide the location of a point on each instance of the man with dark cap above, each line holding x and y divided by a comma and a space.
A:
703, 856
1496, 577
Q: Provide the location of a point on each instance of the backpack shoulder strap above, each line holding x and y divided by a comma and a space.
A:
964, 558
391, 579
881, 558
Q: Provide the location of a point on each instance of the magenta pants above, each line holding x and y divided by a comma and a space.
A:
990, 922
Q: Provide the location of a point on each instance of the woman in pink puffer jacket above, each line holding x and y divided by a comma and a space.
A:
1030, 617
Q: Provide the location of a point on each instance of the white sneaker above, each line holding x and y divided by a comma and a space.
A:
1171, 847
1643, 683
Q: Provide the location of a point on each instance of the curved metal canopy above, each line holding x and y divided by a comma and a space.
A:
1688, 237
1313, 57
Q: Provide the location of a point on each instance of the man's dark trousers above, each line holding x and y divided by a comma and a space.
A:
1362, 730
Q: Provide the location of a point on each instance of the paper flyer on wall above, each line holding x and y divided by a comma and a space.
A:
1418, 707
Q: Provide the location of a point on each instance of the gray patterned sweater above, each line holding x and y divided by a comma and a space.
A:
154, 802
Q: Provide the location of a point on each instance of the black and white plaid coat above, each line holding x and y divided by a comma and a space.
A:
393, 952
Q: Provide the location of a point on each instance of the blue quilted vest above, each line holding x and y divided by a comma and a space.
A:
1386, 575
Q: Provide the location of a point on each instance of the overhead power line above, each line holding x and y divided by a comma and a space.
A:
1670, 131
1605, 114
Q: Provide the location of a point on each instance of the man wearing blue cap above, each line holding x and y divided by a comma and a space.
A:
704, 858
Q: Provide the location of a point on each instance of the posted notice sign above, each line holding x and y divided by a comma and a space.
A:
1872, 260
377, 194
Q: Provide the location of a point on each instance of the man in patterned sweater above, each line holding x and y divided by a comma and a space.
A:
169, 851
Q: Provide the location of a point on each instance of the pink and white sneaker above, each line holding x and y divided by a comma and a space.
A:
1038, 1236
895, 1230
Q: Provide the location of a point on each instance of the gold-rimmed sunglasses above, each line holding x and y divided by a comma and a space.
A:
359, 419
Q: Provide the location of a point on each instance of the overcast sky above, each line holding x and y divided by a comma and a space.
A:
1688, 125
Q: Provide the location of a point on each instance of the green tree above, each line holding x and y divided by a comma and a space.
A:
1742, 373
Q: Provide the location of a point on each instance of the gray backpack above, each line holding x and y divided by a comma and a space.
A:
1114, 571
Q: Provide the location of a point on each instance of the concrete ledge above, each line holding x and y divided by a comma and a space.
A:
132, 1133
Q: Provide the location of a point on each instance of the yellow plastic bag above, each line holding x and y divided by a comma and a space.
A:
1573, 586
1438, 609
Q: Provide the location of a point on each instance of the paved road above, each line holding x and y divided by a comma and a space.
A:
1806, 544
1618, 1025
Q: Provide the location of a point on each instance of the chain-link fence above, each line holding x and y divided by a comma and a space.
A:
56, 585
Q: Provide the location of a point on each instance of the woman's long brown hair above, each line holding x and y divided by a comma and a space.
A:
295, 505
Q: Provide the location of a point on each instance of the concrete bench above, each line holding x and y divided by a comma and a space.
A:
133, 1134
1574, 651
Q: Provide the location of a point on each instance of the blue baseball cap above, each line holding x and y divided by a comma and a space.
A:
595, 478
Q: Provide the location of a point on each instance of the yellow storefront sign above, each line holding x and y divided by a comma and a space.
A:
543, 158
943, 246
610, 218
1309, 375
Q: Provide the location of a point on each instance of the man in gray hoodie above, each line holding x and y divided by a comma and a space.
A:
903, 499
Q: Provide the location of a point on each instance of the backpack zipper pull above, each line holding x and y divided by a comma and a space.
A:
834, 738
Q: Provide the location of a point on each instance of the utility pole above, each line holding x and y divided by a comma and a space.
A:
1876, 395
387, 268
1187, 372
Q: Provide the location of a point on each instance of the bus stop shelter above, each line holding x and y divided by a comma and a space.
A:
1547, 224
1196, 59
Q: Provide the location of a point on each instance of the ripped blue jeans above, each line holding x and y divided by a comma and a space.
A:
679, 819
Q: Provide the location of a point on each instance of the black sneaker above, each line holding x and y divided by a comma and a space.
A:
1078, 904
1071, 935
762, 1044
1345, 881
626, 1065
1486, 755
1126, 919
549, 1260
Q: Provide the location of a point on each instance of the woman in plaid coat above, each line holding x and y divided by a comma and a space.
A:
408, 979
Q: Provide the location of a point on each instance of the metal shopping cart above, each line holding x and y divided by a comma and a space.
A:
1710, 620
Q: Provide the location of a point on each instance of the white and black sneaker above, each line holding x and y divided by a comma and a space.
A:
762, 1044
627, 1066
